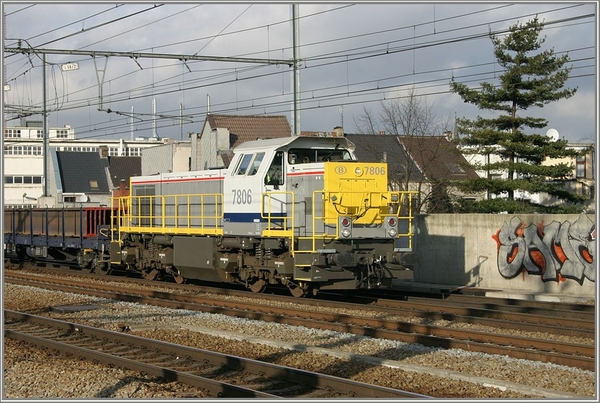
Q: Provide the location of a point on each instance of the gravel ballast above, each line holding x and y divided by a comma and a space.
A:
417, 368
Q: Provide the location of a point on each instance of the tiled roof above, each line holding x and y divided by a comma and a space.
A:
124, 168
437, 157
252, 127
82, 172
226, 156
371, 147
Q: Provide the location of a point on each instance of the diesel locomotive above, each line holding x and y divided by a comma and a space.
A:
299, 212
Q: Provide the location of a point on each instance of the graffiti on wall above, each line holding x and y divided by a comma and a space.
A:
556, 252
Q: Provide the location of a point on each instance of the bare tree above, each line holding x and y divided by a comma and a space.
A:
409, 116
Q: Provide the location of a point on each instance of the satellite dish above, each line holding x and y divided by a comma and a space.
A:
553, 134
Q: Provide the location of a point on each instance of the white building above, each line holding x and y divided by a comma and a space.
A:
24, 157
173, 156
581, 180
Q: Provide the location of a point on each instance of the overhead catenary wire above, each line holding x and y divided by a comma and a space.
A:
191, 81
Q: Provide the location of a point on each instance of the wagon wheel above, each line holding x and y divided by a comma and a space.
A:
258, 286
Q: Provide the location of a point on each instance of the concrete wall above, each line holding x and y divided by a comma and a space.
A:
530, 252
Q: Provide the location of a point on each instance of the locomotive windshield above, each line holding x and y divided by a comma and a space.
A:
304, 156
245, 164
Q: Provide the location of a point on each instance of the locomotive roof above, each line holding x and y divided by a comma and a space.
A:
296, 141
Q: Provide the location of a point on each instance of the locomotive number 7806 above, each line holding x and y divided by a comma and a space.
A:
242, 196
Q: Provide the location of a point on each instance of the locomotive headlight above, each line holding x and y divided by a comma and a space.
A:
358, 171
345, 224
391, 226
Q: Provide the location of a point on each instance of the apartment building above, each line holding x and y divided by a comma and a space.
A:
24, 158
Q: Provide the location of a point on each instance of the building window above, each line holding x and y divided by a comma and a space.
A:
580, 166
12, 133
69, 199
94, 184
133, 151
11, 179
23, 150
40, 134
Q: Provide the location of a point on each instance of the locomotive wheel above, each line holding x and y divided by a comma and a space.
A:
151, 275
258, 286
179, 279
296, 290
98, 268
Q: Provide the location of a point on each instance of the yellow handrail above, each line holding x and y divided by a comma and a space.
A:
160, 214
204, 213
396, 202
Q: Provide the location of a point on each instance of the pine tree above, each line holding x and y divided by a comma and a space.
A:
531, 78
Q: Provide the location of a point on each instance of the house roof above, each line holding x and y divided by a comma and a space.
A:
437, 157
371, 147
251, 127
124, 168
82, 172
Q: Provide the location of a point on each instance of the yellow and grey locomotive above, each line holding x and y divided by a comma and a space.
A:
297, 211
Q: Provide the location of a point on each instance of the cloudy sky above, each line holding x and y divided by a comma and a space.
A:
354, 56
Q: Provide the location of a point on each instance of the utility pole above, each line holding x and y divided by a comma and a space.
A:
45, 127
296, 73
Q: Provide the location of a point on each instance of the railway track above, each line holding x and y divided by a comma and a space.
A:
493, 342
218, 374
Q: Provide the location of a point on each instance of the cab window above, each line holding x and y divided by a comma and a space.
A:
275, 172
256, 163
305, 156
244, 164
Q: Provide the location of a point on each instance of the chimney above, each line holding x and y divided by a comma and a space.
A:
381, 133
123, 185
103, 151
338, 131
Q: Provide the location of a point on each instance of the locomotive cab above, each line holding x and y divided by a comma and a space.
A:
269, 178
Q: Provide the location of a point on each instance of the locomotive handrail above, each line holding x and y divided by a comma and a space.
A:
160, 214
287, 225
396, 202
387, 199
